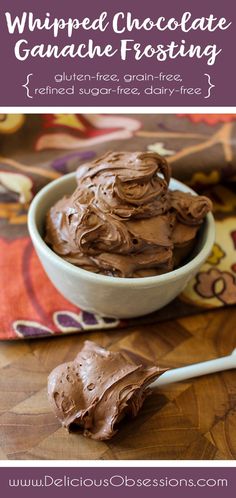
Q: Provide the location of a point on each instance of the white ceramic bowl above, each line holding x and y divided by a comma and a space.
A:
111, 296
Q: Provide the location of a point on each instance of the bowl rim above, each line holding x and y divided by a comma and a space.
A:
106, 279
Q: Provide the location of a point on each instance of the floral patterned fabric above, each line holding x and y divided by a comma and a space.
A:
36, 149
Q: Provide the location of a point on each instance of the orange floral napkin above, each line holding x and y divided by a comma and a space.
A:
35, 149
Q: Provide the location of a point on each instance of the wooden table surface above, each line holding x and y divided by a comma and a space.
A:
191, 420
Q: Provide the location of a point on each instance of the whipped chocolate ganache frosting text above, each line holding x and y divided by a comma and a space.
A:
122, 220
134, 37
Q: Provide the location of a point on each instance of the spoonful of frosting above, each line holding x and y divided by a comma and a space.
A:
100, 387
97, 389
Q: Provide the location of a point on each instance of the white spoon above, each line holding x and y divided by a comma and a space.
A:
196, 370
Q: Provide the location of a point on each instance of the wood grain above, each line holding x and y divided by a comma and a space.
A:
191, 420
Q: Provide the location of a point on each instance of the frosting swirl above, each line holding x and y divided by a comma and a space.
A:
122, 220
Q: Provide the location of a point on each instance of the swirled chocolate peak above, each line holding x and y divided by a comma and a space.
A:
97, 389
189, 209
126, 183
122, 220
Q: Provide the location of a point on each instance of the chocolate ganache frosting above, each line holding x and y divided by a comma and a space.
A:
122, 220
98, 389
